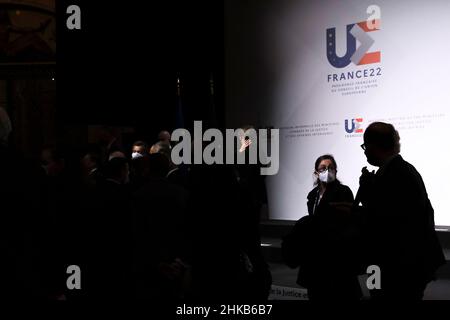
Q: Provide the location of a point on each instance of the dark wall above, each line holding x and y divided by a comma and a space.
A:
121, 68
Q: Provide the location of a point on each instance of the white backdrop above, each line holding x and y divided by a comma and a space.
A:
277, 74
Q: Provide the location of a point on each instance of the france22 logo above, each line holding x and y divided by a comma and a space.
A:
356, 31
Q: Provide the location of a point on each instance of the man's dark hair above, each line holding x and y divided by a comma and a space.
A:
141, 144
158, 165
163, 148
382, 135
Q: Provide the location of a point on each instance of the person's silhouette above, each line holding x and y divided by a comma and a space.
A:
400, 232
328, 234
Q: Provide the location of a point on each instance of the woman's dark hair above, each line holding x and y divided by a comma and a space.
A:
319, 160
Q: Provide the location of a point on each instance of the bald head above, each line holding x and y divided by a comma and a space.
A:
382, 135
381, 142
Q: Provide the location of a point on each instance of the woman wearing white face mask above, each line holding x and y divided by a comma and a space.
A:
328, 189
332, 237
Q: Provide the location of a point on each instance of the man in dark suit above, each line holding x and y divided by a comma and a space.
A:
160, 248
107, 235
399, 218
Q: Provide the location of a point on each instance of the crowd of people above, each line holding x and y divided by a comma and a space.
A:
139, 226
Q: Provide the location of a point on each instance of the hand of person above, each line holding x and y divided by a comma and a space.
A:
244, 144
366, 181
366, 177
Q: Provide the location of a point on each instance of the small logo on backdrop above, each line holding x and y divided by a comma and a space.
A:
353, 127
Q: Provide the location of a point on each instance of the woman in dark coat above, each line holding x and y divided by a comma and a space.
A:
325, 243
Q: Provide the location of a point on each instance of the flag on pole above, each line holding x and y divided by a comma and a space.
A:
212, 118
179, 117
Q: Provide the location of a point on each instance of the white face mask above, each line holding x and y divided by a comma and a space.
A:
136, 155
327, 176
